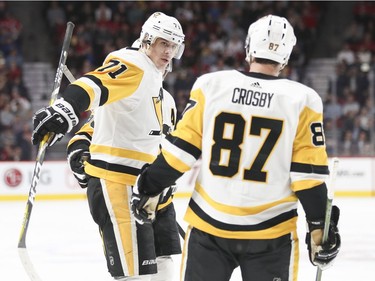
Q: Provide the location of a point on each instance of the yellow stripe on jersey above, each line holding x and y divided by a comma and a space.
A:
269, 233
121, 152
175, 162
88, 89
240, 211
124, 87
106, 173
192, 123
118, 177
304, 184
121, 79
304, 150
126, 82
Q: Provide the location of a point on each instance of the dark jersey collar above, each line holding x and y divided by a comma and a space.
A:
261, 75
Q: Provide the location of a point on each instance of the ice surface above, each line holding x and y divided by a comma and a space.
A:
64, 243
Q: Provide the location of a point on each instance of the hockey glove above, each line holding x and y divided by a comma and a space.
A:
143, 206
322, 255
59, 118
76, 159
166, 196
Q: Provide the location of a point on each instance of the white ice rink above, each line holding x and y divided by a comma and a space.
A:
64, 243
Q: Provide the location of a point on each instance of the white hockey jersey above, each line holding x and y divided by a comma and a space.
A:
260, 139
131, 109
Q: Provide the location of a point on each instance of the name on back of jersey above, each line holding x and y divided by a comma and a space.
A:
252, 98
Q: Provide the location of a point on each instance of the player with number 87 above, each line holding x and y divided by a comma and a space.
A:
261, 144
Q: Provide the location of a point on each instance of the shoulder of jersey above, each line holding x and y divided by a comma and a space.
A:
301, 88
131, 55
221, 75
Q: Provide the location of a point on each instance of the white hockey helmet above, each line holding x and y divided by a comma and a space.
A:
159, 25
271, 37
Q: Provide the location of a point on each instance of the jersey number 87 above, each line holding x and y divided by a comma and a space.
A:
233, 144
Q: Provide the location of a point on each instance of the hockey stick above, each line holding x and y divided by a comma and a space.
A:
68, 74
330, 194
22, 250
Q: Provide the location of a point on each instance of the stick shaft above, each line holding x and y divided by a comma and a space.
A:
39, 161
62, 61
330, 194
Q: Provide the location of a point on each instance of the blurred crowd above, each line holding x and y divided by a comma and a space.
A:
349, 106
215, 33
15, 102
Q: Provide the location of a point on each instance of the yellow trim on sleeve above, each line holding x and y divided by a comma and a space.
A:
175, 162
304, 184
89, 90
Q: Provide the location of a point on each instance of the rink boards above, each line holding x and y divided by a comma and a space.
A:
356, 177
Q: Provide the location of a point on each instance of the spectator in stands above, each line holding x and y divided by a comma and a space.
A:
347, 147
365, 121
6, 116
23, 142
353, 33
351, 105
6, 152
364, 145
216, 45
103, 13
364, 55
332, 110
17, 85
18, 104
359, 80
220, 65
342, 82
330, 135
55, 15
234, 47
14, 57
346, 55
7, 137
13, 71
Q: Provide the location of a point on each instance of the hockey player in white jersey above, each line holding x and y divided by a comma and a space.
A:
262, 148
126, 94
167, 241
